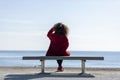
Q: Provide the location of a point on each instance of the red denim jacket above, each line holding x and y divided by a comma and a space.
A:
58, 44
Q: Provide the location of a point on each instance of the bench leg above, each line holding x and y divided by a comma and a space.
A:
83, 66
42, 66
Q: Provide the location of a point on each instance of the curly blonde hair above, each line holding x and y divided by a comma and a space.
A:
61, 28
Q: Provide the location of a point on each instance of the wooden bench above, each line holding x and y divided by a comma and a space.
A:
43, 58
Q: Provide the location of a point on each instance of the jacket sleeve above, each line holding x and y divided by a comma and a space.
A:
50, 33
65, 46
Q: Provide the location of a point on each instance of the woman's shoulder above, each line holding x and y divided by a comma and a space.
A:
59, 35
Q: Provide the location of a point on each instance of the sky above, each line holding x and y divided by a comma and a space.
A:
93, 24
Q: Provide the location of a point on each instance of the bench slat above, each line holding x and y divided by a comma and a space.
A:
62, 57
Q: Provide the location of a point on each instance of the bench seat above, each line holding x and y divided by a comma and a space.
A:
82, 58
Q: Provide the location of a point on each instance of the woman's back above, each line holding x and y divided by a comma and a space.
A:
58, 42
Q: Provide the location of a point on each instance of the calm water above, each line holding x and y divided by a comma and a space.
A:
14, 58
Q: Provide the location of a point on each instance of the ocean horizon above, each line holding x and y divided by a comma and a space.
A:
14, 58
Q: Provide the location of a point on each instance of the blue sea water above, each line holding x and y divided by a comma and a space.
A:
14, 58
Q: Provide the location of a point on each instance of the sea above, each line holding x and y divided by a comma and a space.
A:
14, 58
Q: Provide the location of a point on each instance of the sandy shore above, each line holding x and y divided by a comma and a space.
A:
33, 73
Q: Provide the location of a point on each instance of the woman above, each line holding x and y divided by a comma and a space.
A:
58, 43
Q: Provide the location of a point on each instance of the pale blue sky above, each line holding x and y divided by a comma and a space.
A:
94, 24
